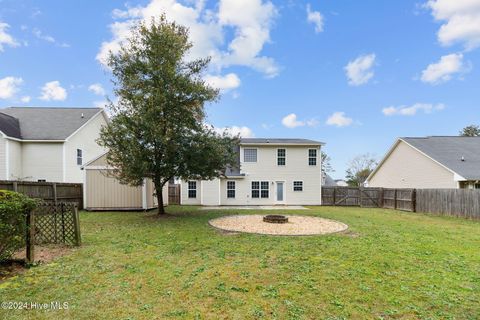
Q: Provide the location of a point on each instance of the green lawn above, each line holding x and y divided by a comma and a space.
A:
389, 265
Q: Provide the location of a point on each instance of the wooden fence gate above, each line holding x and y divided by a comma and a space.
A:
174, 194
52, 223
400, 199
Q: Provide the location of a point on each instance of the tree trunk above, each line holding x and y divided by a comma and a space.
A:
159, 192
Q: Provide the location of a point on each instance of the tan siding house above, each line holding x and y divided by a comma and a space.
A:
271, 172
431, 162
48, 144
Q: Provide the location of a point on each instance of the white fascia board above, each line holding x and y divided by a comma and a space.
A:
85, 124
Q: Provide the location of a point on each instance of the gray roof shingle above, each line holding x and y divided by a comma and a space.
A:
449, 152
42, 123
279, 141
10, 126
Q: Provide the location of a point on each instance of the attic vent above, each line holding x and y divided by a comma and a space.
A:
82, 115
463, 159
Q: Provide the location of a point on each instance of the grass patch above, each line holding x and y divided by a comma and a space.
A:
389, 265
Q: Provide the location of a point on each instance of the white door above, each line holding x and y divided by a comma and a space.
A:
280, 192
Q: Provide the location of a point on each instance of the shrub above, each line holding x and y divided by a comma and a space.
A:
13, 209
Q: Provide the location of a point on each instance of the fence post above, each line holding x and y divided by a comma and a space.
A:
76, 223
395, 199
414, 200
380, 198
334, 196
360, 196
54, 188
30, 236
15, 186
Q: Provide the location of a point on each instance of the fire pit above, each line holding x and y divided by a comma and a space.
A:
275, 218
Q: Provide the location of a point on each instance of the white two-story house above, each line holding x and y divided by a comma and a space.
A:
48, 144
271, 172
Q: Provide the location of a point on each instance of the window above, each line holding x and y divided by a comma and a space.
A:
281, 157
255, 189
79, 157
264, 189
192, 189
230, 189
312, 157
260, 189
250, 155
297, 185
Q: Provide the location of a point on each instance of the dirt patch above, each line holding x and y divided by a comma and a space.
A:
43, 254
296, 226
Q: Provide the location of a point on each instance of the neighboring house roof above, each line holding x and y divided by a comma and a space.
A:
328, 181
448, 152
10, 126
42, 123
279, 141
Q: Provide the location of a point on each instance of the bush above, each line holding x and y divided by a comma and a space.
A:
13, 209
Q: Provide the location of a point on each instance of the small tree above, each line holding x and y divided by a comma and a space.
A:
326, 165
470, 131
359, 168
157, 130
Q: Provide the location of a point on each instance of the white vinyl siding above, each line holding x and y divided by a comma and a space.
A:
43, 161
86, 141
406, 167
3, 159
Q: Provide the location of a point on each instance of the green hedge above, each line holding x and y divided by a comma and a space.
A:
13, 208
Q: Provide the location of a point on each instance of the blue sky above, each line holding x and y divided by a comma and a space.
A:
354, 74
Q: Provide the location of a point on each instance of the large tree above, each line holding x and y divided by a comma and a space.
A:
359, 168
470, 131
157, 130
326, 165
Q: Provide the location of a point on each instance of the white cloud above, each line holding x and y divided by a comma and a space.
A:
290, 121
25, 99
316, 18
9, 86
359, 71
6, 38
339, 119
97, 89
53, 91
48, 38
249, 21
244, 132
413, 110
461, 21
227, 82
443, 70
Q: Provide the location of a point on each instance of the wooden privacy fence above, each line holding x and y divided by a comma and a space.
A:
400, 199
52, 223
449, 202
174, 194
47, 191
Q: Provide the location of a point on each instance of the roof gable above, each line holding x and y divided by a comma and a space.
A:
459, 154
10, 126
42, 123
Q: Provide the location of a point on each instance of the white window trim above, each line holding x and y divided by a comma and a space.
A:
243, 155
260, 189
82, 157
285, 157
293, 186
196, 189
316, 157
234, 189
